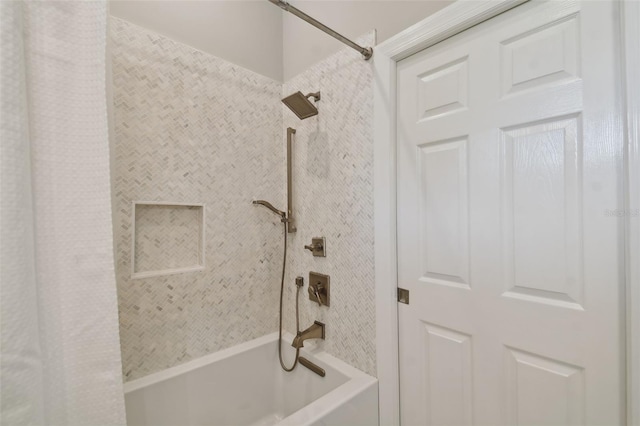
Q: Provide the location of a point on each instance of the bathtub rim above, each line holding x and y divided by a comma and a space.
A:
356, 379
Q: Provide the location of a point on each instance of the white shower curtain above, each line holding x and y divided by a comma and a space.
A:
60, 354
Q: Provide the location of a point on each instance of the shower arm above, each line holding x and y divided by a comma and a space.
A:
366, 52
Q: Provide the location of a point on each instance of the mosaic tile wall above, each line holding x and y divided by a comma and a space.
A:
167, 237
334, 198
193, 128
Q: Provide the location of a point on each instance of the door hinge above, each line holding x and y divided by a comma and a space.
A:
403, 296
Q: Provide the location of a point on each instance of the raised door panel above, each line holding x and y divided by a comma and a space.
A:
448, 376
543, 391
443, 90
541, 214
540, 57
444, 213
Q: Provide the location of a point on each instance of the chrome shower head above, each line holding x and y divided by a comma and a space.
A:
300, 104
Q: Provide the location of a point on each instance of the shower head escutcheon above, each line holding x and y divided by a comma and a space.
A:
301, 105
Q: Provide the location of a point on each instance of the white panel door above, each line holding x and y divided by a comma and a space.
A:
509, 155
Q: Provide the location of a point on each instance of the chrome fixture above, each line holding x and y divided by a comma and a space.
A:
268, 205
366, 52
316, 331
300, 104
319, 285
317, 247
291, 222
313, 367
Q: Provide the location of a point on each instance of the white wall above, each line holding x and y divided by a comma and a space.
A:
246, 33
261, 37
304, 45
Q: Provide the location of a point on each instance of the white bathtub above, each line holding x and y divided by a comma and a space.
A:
245, 385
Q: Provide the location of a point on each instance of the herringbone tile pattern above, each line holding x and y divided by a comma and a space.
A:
193, 128
167, 237
334, 198
190, 127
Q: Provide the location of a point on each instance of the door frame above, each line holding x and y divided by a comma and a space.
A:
460, 16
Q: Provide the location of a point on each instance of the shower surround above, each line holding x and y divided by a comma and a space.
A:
193, 128
333, 198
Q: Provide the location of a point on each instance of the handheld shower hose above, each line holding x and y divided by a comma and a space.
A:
283, 219
284, 265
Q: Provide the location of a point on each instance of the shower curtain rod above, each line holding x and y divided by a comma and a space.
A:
365, 51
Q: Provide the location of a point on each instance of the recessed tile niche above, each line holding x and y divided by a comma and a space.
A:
168, 238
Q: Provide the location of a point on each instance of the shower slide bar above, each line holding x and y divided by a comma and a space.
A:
291, 221
366, 52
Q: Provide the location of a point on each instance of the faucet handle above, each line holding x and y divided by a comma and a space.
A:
316, 291
319, 288
317, 246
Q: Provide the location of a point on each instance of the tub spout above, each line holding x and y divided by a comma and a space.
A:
316, 331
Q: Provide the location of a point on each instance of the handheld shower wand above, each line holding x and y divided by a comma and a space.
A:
268, 205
